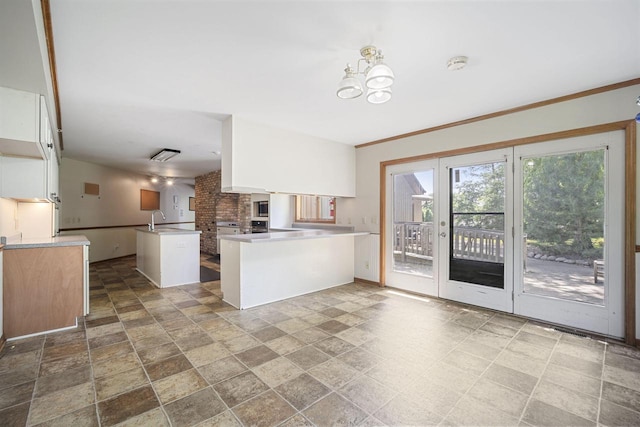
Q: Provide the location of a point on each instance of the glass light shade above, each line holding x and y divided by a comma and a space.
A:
380, 76
349, 88
379, 96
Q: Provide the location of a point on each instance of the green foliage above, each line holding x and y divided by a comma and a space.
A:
427, 211
478, 189
564, 202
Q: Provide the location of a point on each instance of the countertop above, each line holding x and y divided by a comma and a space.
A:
298, 234
168, 230
19, 243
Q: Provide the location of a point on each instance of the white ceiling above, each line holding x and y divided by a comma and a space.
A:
136, 76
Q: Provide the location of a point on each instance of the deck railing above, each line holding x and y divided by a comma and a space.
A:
415, 239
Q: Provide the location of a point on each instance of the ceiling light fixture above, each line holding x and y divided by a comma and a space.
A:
378, 78
164, 155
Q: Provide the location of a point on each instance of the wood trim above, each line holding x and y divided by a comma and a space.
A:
48, 30
630, 198
630, 233
123, 226
569, 97
365, 281
3, 341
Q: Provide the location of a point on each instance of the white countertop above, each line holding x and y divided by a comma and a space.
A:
78, 240
299, 234
168, 230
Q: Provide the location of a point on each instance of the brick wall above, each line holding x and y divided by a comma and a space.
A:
212, 206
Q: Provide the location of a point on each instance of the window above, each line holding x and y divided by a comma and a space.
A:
316, 209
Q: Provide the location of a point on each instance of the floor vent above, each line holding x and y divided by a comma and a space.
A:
570, 331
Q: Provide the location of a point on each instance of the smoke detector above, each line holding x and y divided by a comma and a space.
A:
457, 63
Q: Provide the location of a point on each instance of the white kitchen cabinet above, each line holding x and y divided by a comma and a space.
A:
25, 129
23, 178
29, 178
46, 136
53, 177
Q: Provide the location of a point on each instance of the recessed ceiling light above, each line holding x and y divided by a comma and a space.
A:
457, 63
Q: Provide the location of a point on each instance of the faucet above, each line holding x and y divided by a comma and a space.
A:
152, 226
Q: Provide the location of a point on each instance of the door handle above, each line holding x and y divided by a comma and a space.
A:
443, 234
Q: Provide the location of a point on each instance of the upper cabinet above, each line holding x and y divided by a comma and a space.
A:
262, 159
28, 178
25, 128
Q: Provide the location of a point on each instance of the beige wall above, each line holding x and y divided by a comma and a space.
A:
117, 206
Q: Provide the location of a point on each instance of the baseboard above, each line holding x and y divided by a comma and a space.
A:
368, 282
3, 341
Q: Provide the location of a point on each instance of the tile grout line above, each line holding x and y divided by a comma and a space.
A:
546, 366
604, 355
35, 381
487, 368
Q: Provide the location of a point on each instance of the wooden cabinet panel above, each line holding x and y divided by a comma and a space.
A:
43, 289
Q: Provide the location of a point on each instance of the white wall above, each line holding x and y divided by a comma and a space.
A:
258, 158
35, 220
281, 210
118, 205
607, 107
8, 217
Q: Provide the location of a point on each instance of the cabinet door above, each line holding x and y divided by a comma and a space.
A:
43, 289
23, 178
19, 115
45, 137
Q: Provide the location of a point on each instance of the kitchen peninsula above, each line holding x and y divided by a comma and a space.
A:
168, 256
258, 269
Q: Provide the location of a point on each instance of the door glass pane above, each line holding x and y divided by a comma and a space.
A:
413, 223
476, 235
564, 208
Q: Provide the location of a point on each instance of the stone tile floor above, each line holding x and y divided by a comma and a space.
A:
352, 355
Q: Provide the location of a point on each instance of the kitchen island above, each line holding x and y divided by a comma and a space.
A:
168, 256
261, 268
46, 284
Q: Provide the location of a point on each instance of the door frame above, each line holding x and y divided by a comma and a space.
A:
630, 200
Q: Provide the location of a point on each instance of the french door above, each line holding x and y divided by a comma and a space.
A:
413, 241
475, 229
570, 202
536, 230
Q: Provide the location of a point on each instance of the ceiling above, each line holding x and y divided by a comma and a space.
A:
136, 76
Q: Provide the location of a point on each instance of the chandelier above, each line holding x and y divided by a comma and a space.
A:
378, 78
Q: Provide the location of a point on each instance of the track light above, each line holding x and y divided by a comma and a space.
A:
164, 155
